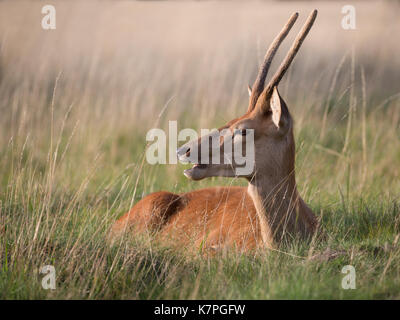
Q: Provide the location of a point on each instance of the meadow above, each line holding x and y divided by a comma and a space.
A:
76, 104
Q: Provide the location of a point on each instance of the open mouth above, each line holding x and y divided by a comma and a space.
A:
197, 172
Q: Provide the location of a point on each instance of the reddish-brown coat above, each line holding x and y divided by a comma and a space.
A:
263, 214
211, 218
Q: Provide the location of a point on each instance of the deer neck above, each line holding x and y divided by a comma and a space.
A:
275, 199
277, 202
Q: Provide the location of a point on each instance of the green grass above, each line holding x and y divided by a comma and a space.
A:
71, 153
46, 222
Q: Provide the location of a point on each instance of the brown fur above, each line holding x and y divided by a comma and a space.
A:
266, 213
211, 217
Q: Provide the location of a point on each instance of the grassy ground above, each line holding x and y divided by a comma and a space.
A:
75, 106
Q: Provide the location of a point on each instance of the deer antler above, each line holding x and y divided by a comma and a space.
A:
258, 85
291, 54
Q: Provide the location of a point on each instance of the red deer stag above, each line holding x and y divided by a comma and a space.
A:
267, 212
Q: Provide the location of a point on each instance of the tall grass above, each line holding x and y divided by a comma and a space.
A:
76, 104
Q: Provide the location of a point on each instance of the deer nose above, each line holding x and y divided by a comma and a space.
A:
183, 151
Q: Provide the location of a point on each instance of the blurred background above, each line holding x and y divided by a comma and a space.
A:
119, 63
76, 104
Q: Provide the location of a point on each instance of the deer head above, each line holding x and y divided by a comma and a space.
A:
267, 123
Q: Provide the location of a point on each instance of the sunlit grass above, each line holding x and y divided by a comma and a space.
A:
75, 107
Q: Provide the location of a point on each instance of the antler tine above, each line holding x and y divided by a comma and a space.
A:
258, 85
292, 52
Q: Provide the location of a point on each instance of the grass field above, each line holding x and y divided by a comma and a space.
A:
76, 104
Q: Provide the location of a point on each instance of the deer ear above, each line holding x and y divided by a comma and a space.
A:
276, 107
249, 90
